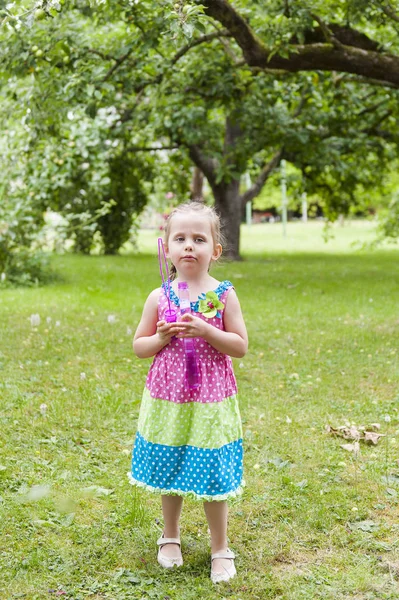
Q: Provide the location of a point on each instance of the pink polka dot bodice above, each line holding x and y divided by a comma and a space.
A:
167, 377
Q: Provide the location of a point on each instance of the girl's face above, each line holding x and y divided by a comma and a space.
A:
190, 245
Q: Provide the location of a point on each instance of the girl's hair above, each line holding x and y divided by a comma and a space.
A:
201, 210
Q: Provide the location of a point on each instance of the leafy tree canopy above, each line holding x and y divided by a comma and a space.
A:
232, 88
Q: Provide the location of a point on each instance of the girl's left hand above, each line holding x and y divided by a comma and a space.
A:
192, 327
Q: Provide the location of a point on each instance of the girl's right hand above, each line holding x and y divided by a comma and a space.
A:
166, 331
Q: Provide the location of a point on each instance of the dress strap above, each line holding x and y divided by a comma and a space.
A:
220, 290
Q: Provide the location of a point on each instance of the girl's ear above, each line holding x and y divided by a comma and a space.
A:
217, 251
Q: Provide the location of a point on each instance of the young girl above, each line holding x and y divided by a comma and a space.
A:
189, 442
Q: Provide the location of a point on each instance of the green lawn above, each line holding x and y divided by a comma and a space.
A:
299, 237
315, 521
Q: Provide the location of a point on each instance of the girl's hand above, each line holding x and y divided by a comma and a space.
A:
166, 331
192, 327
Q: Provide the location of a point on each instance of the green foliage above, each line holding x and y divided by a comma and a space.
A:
127, 177
21, 262
389, 218
390, 221
87, 87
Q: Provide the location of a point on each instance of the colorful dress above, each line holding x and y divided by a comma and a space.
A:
189, 442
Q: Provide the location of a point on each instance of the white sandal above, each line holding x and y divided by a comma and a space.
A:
166, 561
229, 573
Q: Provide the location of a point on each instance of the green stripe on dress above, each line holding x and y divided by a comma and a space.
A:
200, 424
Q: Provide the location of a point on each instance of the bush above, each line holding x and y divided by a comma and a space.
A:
21, 260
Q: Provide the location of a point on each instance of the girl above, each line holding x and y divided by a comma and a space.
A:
189, 442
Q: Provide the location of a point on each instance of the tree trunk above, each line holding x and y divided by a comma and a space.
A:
228, 204
197, 184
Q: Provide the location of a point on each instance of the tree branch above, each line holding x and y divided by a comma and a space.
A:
372, 108
380, 120
222, 11
390, 12
201, 40
269, 167
328, 34
255, 189
150, 148
256, 70
228, 49
101, 54
385, 135
118, 62
139, 88
376, 82
207, 165
325, 56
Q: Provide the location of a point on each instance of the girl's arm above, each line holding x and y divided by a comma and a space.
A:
152, 335
233, 341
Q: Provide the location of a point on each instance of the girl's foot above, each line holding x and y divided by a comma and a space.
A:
169, 553
222, 566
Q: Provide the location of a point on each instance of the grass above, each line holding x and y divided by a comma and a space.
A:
315, 521
300, 237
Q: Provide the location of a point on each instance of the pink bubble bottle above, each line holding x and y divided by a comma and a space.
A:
189, 343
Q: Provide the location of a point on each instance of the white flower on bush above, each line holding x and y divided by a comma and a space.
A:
35, 320
48, 320
57, 323
111, 319
43, 409
3, 277
83, 376
129, 331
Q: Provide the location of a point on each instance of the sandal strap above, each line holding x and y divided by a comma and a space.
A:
162, 541
227, 554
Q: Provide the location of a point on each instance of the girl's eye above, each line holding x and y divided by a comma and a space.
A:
199, 240
179, 239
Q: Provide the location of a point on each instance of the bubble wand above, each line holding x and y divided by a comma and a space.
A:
170, 314
189, 344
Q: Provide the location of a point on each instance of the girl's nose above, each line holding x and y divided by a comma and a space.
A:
188, 245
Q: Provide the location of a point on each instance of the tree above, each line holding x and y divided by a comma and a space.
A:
201, 100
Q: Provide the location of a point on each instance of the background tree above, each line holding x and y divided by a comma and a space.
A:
207, 99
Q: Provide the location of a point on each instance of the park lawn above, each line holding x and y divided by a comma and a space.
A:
300, 237
315, 520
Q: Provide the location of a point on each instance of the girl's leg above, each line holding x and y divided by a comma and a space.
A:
216, 514
171, 509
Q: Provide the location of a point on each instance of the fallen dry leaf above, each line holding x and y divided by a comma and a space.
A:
372, 437
351, 447
357, 434
348, 433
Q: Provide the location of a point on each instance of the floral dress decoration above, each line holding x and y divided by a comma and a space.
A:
210, 305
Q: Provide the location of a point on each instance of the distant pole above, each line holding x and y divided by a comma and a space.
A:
283, 196
304, 208
248, 205
248, 212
